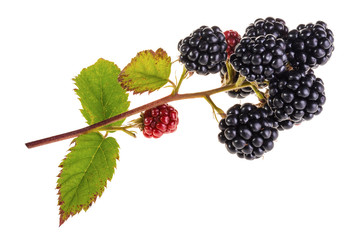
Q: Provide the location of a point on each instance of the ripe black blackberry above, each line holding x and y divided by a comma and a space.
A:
279, 125
296, 95
269, 25
204, 50
260, 58
310, 45
239, 93
284, 125
248, 131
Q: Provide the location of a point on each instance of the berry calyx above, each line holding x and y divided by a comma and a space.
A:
159, 120
226, 80
232, 39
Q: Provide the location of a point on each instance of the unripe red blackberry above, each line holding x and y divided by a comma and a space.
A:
232, 39
159, 120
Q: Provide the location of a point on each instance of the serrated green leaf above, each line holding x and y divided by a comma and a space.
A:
100, 93
85, 172
146, 72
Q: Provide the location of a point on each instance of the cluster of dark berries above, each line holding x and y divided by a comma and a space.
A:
159, 120
204, 50
269, 55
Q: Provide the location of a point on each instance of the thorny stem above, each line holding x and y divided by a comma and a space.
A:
99, 125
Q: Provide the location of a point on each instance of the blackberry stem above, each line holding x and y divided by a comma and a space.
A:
183, 76
170, 98
260, 95
172, 83
214, 107
124, 129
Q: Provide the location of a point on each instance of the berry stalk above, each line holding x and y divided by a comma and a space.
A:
99, 125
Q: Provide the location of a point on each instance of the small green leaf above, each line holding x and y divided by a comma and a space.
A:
85, 172
148, 71
100, 93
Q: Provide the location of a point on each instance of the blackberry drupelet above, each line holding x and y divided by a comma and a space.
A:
248, 131
204, 50
260, 58
310, 45
296, 95
279, 125
284, 125
232, 39
239, 93
269, 25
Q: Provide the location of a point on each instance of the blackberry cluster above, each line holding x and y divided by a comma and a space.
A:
269, 57
204, 50
296, 96
239, 93
310, 45
260, 58
248, 131
269, 25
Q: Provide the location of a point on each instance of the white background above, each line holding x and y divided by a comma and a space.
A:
184, 185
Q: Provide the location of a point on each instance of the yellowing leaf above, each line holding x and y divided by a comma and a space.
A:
148, 71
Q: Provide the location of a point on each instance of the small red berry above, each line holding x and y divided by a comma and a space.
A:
159, 120
232, 39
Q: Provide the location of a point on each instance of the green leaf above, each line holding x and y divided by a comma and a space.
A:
100, 93
85, 172
148, 71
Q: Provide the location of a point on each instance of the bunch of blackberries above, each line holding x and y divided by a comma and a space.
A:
267, 56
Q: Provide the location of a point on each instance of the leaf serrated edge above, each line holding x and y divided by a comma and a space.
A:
63, 216
158, 54
84, 108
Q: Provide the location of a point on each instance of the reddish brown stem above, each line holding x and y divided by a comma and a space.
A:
170, 98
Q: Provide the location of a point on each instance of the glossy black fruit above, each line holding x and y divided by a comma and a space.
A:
269, 25
248, 131
204, 50
296, 95
260, 58
310, 45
